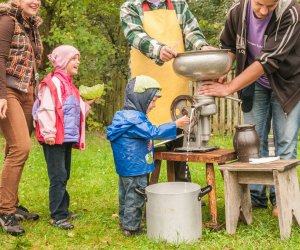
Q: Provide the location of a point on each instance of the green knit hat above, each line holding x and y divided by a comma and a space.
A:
143, 83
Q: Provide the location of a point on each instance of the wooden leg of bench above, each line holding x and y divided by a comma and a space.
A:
246, 206
233, 197
284, 195
296, 196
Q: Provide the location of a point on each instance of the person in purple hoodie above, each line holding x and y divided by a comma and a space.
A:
263, 36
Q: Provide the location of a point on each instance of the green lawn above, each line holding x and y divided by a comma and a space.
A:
93, 191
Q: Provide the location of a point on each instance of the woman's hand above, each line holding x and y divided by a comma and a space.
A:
182, 122
3, 108
50, 141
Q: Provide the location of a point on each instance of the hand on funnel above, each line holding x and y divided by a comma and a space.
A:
167, 53
211, 88
182, 121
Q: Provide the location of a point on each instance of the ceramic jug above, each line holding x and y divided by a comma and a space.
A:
246, 142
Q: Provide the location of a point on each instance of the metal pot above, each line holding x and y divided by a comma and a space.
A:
202, 65
173, 211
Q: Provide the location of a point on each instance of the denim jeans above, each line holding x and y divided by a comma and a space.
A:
58, 158
266, 108
130, 202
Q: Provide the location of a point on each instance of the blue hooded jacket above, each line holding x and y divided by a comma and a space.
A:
131, 134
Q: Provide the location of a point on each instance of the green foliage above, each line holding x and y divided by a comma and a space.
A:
92, 123
70, 25
211, 16
90, 26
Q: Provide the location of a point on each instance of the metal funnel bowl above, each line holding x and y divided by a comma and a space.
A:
202, 65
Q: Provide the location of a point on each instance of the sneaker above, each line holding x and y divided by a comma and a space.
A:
10, 224
129, 233
72, 215
22, 213
63, 224
275, 211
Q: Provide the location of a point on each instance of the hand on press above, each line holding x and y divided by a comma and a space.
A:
182, 122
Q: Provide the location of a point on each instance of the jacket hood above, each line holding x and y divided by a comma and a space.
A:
139, 93
123, 121
282, 5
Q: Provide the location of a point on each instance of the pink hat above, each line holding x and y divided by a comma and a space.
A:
61, 56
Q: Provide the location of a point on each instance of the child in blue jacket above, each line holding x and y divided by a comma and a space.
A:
131, 136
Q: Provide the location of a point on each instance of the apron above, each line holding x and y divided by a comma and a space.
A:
163, 26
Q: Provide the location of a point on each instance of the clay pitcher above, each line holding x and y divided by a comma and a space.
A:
246, 142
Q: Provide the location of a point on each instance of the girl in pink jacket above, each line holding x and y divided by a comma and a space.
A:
60, 113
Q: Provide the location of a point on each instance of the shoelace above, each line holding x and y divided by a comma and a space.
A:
10, 220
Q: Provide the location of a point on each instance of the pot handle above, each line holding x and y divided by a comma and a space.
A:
141, 192
204, 191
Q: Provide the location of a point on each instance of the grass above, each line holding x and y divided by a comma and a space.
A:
93, 191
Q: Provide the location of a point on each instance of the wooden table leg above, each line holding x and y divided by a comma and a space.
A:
155, 174
170, 171
210, 180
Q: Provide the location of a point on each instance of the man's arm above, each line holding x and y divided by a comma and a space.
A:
132, 26
193, 37
247, 77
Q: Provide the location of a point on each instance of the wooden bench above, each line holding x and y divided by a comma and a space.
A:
281, 173
219, 156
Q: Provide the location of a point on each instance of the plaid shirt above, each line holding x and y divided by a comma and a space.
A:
132, 24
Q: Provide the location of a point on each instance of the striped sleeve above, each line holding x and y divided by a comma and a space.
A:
193, 36
131, 19
281, 41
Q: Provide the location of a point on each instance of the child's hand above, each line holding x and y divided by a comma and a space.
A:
50, 141
182, 122
90, 102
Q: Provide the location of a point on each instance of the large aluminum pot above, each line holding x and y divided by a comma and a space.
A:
173, 211
202, 65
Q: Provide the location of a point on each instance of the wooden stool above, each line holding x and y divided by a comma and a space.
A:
219, 156
281, 173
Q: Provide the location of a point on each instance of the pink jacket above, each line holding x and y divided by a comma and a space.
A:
48, 113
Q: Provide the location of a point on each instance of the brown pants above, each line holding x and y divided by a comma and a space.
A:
16, 129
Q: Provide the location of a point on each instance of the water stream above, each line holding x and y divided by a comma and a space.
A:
188, 143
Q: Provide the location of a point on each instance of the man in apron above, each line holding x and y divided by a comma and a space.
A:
156, 31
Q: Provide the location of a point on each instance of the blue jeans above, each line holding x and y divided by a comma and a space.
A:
130, 202
266, 108
58, 158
